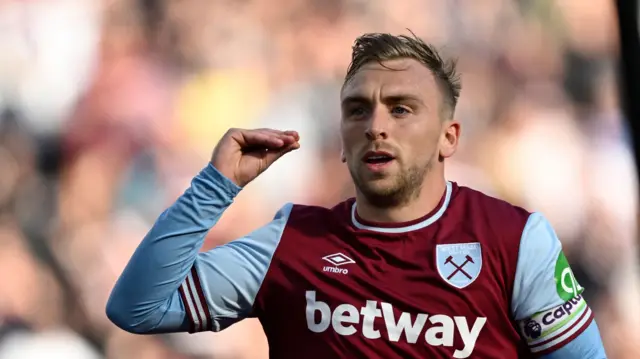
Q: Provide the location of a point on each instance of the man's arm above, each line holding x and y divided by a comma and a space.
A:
168, 286
553, 317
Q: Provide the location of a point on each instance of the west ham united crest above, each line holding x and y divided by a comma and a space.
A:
459, 264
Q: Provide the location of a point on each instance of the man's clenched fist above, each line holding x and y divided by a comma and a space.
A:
242, 155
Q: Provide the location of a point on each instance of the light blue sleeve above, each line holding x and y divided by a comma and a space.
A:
547, 300
168, 286
586, 346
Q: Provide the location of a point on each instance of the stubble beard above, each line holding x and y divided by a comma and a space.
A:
405, 187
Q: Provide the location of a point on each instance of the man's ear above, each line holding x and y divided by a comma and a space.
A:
343, 158
449, 139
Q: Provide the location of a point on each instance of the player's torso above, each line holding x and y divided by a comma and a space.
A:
439, 287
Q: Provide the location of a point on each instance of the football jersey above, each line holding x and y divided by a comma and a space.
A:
475, 278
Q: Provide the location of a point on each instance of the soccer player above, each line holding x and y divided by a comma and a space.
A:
414, 267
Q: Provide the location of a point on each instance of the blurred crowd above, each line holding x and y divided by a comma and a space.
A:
108, 108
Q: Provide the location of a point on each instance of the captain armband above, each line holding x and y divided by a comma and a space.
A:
551, 329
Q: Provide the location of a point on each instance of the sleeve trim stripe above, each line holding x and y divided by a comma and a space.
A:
560, 339
569, 339
188, 304
195, 303
198, 319
199, 299
575, 325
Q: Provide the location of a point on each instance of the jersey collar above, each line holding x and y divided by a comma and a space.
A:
407, 226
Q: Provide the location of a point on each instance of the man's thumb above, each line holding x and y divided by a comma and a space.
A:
274, 155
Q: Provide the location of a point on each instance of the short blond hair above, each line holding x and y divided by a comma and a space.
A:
380, 47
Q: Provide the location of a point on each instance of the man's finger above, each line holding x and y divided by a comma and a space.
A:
271, 139
288, 137
294, 134
264, 139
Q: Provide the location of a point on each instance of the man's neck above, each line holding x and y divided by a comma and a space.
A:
430, 195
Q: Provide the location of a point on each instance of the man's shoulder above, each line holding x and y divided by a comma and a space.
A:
316, 215
494, 218
311, 210
489, 206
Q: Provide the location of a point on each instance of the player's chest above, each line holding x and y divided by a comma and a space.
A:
423, 298
448, 276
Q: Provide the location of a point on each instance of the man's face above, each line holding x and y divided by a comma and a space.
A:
391, 129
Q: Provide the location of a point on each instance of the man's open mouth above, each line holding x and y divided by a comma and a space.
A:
377, 157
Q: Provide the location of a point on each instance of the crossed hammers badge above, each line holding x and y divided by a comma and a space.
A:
459, 264
459, 268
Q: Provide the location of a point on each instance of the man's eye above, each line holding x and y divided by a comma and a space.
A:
357, 111
399, 110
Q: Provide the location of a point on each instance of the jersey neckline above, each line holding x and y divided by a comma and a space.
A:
403, 227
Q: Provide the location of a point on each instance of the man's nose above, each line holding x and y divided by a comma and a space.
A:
378, 126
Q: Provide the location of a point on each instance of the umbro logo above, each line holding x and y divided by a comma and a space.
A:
337, 260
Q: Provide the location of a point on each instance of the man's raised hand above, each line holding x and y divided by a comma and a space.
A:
242, 155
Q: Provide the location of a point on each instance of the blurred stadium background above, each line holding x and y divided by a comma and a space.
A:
108, 108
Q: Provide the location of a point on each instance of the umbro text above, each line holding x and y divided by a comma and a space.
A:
335, 270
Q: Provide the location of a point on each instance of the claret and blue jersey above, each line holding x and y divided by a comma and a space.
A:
476, 278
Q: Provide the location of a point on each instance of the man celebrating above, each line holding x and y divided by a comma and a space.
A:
413, 267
